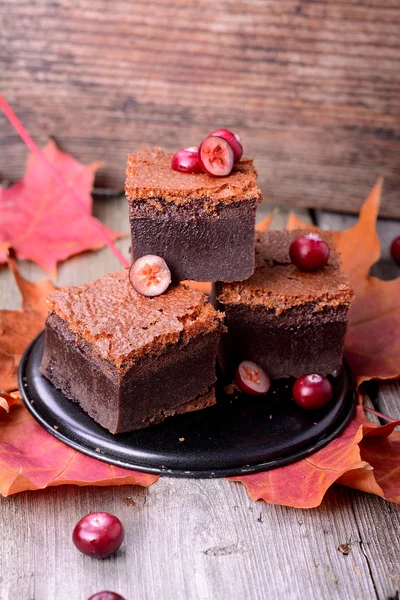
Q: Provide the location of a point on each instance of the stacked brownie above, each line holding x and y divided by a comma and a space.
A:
202, 226
131, 360
288, 321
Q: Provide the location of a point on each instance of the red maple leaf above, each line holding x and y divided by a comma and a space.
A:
38, 218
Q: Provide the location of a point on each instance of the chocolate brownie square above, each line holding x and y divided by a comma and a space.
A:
131, 360
202, 226
289, 322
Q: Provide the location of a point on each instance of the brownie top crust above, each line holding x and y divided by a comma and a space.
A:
279, 285
149, 176
122, 325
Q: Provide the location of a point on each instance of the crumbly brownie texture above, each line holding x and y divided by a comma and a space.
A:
149, 177
122, 325
202, 226
131, 361
288, 321
279, 285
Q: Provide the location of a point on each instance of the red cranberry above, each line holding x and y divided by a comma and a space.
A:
309, 252
149, 275
106, 596
233, 140
216, 156
312, 391
395, 250
252, 379
98, 534
186, 160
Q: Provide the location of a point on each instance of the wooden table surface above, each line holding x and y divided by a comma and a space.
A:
190, 539
312, 86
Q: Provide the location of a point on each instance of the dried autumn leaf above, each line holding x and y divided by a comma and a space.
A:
303, 484
19, 327
32, 459
39, 220
7, 400
364, 457
372, 346
380, 448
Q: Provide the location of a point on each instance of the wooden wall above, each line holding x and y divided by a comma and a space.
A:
312, 86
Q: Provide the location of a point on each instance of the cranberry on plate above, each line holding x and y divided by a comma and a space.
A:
98, 534
312, 391
252, 379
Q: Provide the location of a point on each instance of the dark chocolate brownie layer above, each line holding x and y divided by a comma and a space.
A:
194, 243
179, 379
202, 226
288, 321
128, 360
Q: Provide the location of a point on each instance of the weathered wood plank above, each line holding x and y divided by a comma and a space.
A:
188, 539
312, 87
388, 400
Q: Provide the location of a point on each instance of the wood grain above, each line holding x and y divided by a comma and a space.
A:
192, 539
200, 540
312, 86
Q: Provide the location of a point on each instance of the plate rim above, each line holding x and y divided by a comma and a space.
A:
334, 431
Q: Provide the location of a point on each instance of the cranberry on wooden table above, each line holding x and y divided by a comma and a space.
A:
150, 275
98, 534
395, 250
309, 252
312, 391
252, 379
216, 156
233, 140
106, 596
186, 160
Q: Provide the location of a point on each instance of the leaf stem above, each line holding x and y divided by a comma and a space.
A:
33, 147
378, 414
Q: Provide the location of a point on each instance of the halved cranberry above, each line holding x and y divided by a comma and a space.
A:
106, 596
312, 391
309, 252
186, 160
395, 250
150, 275
233, 140
252, 379
98, 534
216, 156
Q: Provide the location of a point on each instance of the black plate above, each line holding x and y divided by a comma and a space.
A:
234, 437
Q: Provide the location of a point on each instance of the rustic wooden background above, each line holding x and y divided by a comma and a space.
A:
312, 86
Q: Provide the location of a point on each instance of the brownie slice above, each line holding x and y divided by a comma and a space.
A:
202, 226
289, 322
130, 360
